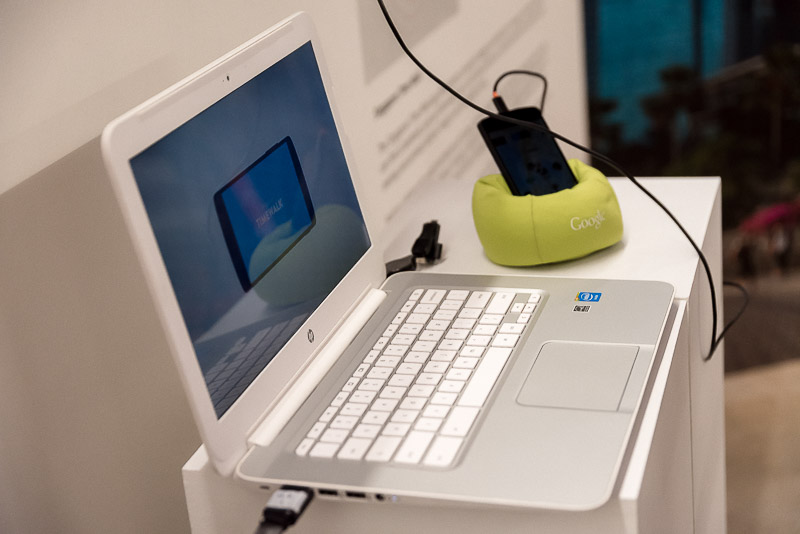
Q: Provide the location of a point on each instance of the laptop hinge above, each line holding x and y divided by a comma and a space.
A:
274, 422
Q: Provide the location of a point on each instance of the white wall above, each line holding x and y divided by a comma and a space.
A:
93, 423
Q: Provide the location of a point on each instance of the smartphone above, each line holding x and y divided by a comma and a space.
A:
264, 211
529, 160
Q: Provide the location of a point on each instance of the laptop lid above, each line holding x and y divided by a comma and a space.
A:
235, 186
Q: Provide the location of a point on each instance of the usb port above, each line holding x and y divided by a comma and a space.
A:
328, 492
356, 494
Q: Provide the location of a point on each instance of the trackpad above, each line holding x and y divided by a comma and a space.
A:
579, 375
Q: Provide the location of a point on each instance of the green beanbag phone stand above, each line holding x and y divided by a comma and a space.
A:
531, 230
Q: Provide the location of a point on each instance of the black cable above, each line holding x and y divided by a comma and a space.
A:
529, 73
605, 159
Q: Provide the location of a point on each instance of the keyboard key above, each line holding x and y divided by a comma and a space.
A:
383, 449
351, 384
451, 344
485, 330
458, 294
353, 408
535, 297
324, 450
443, 397
500, 303
380, 372
517, 307
470, 313
505, 340
438, 324
436, 367
443, 451
479, 341
408, 306
334, 435
424, 346
443, 356
445, 315
403, 339
384, 405
354, 449
395, 350
409, 368
524, 317
390, 330
396, 429
365, 430
382, 341
457, 333
418, 318
431, 335
418, 390
478, 299
414, 447
463, 362
411, 329
438, 411
412, 403
488, 318
511, 328
463, 323
429, 379
304, 447
416, 357
393, 392
416, 294
472, 351
361, 370
344, 422
374, 417
458, 374
428, 424
401, 380
451, 386
451, 305
484, 377
387, 361
362, 396
460, 421
404, 416
433, 296
316, 430
371, 384
398, 319
425, 308
339, 399
529, 308
371, 355
328, 414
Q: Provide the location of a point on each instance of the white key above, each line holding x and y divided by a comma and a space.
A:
505, 340
408, 368
523, 317
445, 315
472, 351
484, 377
408, 306
400, 317
411, 329
362, 396
371, 384
424, 346
433, 296
460, 421
478, 299
451, 386
511, 328
414, 447
361, 370
395, 350
418, 390
416, 357
436, 367
443, 451
425, 308
442, 397
339, 399
371, 355
429, 379
535, 297
458, 374
374, 417
463, 362
316, 430
351, 384
412, 403
464, 323
431, 335
416, 294
384, 405
344, 422
438, 324
451, 344
457, 333
396, 429
304, 447
354, 449
334, 435
387, 361
353, 408
517, 307
404, 416
428, 424
418, 318
328, 414
443, 356
470, 313
458, 294
479, 341
390, 330
380, 372
382, 449
401, 380
403, 339
393, 392
366, 431
485, 330
438, 411
451, 305
489, 318
324, 450
500, 302
382, 341
529, 308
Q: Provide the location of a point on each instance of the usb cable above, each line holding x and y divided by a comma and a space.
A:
284, 508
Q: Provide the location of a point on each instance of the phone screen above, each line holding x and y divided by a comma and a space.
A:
266, 207
529, 160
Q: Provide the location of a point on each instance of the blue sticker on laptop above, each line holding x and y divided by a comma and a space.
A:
585, 296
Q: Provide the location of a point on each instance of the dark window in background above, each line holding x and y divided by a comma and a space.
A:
701, 88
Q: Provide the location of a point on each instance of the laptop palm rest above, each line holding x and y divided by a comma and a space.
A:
583, 376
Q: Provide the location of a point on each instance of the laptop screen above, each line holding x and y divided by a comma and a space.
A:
254, 211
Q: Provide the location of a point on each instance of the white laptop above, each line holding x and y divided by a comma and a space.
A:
304, 365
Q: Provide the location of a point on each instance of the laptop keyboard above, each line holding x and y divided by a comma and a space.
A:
417, 394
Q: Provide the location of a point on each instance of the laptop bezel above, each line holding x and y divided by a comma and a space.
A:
225, 438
